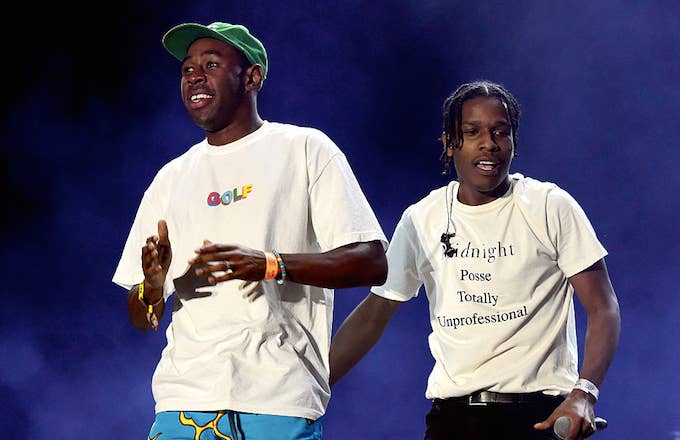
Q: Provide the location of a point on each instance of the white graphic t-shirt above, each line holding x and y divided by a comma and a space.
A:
281, 187
501, 306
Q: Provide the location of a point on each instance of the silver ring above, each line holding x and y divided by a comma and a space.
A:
227, 265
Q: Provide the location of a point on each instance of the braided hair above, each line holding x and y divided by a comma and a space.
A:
453, 109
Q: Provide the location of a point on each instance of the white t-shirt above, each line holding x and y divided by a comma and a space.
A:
281, 187
501, 307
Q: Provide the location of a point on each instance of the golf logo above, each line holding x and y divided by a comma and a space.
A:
229, 196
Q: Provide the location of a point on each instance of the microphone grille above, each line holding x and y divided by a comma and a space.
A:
561, 426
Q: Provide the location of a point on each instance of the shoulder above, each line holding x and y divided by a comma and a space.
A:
532, 189
315, 145
543, 193
531, 185
299, 132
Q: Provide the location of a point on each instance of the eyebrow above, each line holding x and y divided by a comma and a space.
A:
498, 122
205, 52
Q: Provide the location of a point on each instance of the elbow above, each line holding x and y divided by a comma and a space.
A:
613, 312
378, 272
365, 265
607, 317
381, 276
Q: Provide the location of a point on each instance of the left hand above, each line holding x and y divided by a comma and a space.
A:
232, 260
578, 406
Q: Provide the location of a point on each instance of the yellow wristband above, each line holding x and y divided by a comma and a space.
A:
150, 315
140, 292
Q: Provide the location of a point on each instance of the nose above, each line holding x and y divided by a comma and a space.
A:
488, 142
196, 76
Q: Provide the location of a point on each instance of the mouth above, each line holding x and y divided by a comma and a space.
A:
486, 165
199, 100
199, 96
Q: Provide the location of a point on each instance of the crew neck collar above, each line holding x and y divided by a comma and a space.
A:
459, 206
238, 144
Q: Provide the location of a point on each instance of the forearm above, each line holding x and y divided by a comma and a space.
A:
595, 292
138, 310
602, 337
360, 331
357, 264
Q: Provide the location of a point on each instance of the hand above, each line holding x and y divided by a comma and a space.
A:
578, 406
156, 257
234, 261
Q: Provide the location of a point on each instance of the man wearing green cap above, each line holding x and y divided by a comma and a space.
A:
252, 228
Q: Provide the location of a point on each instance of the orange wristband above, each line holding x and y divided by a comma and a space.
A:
271, 270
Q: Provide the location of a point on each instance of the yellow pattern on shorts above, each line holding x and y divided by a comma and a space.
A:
186, 421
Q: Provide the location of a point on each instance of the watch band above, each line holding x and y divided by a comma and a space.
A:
588, 387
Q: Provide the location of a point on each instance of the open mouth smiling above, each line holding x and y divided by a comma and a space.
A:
199, 96
486, 165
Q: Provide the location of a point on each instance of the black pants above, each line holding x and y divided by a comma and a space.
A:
454, 419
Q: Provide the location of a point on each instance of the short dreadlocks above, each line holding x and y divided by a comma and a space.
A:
452, 111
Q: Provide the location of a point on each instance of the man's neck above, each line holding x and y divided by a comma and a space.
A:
235, 131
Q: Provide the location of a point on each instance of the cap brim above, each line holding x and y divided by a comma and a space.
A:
178, 39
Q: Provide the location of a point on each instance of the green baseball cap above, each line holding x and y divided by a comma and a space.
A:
178, 39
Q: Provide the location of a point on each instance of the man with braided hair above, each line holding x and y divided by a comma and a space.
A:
500, 256
252, 228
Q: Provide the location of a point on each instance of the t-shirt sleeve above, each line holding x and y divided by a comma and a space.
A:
129, 270
340, 212
574, 236
403, 281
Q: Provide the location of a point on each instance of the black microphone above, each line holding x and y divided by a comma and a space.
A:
446, 241
562, 425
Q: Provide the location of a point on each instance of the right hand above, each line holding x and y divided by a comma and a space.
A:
578, 406
156, 257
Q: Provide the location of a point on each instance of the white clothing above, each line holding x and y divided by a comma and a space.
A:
501, 307
281, 187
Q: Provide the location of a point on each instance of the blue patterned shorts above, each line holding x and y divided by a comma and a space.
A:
232, 425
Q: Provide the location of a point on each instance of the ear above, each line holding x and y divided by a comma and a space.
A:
253, 76
446, 141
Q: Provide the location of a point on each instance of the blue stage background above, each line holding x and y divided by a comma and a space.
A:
92, 110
